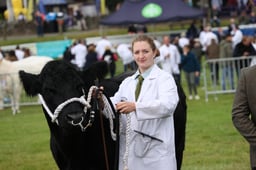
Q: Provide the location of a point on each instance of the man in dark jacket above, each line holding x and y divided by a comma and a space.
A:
243, 49
244, 110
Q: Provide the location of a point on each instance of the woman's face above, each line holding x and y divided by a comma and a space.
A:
143, 55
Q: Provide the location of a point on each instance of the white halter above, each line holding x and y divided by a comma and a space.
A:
108, 112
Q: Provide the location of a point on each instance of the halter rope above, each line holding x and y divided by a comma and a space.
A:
127, 141
108, 112
57, 111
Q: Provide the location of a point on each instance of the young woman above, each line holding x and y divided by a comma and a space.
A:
147, 130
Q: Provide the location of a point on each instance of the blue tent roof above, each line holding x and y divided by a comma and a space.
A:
54, 2
151, 11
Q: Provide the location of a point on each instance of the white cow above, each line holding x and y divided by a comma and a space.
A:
9, 79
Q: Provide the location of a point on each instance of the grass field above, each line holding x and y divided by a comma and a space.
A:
212, 142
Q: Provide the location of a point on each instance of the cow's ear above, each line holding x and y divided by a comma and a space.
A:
30, 83
97, 70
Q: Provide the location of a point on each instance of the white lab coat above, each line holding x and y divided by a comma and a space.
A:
153, 116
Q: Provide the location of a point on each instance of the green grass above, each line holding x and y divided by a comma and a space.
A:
212, 142
24, 143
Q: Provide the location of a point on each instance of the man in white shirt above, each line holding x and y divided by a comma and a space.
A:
170, 58
237, 36
124, 52
102, 45
183, 40
206, 38
80, 52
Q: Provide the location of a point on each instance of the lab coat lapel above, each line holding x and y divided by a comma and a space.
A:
148, 82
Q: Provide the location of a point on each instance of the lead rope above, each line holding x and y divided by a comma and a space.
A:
127, 141
81, 99
108, 112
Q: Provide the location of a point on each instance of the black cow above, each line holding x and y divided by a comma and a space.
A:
72, 148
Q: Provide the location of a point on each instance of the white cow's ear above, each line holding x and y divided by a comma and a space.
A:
31, 83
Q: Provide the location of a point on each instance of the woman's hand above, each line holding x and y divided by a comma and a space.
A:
125, 107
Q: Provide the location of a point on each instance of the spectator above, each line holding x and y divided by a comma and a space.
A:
80, 20
253, 5
215, 20
101, 46
237, 36
196, 50
110, 58
252, 18
80, 52
183, 40
243, 18
232, 25
192, 31
170, 58
212, 52
242, 5
141, 29
11, 56
226, 51
124, 52
132, 29
175, 42
91, 56
39, 21
243, 49
206, 37
60, 21
233, 7
191, 68
19, 53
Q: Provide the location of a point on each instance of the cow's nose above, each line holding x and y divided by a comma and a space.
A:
75, 117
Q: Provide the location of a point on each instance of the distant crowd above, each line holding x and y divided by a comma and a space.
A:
181, 52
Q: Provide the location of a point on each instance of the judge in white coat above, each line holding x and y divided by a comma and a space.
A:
147, 129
